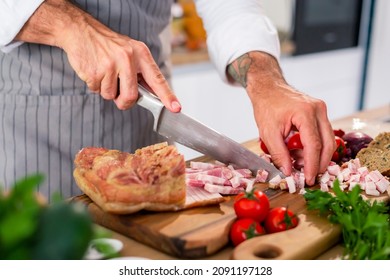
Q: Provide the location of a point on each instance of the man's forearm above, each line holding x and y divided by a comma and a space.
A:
49, 23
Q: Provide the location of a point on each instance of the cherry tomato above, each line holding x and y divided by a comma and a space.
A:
253, 204
263, 147
243, 229
294, 142
339, 132
280, 219
341, 150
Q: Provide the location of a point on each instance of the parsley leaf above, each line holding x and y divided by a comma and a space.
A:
365, 224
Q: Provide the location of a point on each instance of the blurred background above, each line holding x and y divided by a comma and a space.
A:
335, 50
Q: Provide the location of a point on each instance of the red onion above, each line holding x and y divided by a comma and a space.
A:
355, 141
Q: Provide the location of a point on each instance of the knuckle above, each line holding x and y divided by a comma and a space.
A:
309, 107
109, 65
109, 92
124, 104
93, 86
321, 105
129, 52
121, 106
125, 54
277, 157
159, 77
107, 95
316, 144
143, 49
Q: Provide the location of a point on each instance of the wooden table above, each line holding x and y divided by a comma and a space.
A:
372, 122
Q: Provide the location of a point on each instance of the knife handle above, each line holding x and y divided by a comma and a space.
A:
150, 102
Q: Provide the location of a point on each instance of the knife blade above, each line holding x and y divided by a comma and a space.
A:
193, 134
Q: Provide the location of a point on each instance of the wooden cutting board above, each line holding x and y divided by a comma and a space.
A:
191, 233
200, 232
313, 236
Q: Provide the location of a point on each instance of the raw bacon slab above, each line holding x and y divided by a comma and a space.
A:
153, 178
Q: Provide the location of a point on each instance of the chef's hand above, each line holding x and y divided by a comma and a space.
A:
279, 109
107, 61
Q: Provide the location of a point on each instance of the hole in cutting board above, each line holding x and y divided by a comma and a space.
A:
267, 252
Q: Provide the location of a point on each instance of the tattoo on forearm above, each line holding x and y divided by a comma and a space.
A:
239, 68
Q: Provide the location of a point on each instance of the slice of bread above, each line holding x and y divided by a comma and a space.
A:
382, 142
377, 154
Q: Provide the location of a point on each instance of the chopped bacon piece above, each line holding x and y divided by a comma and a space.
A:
301, 180
324, 187
363, 170
352, 185
202, 165
325, 178
291, 184
221, 189
382, 185
375, 176
261, 176
354, 178
245, 173
373, 192
275, 181
210, 179
346, 174
195, 183
235, 182
249, 183
334, 169
222, 172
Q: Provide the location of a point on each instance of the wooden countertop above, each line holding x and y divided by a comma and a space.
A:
370, 121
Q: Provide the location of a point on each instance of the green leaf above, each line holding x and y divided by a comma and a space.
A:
68, 239
365, 225
30, 230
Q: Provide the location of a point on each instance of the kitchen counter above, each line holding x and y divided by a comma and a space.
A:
372, 122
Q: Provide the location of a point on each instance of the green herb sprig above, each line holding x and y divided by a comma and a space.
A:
365, 224
30, 229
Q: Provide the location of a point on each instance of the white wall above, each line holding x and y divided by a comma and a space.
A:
378, 76
331, 76
280, 12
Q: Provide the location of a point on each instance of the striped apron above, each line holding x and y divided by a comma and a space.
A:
47, 114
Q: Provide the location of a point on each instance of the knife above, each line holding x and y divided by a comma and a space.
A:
191, 133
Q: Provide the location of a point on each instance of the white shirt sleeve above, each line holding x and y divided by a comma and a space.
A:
13, 15
235, 27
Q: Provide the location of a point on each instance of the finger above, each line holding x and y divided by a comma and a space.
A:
278, 151
327, 136
93, 85
109, 86
156, 80
312, 146
128, 89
